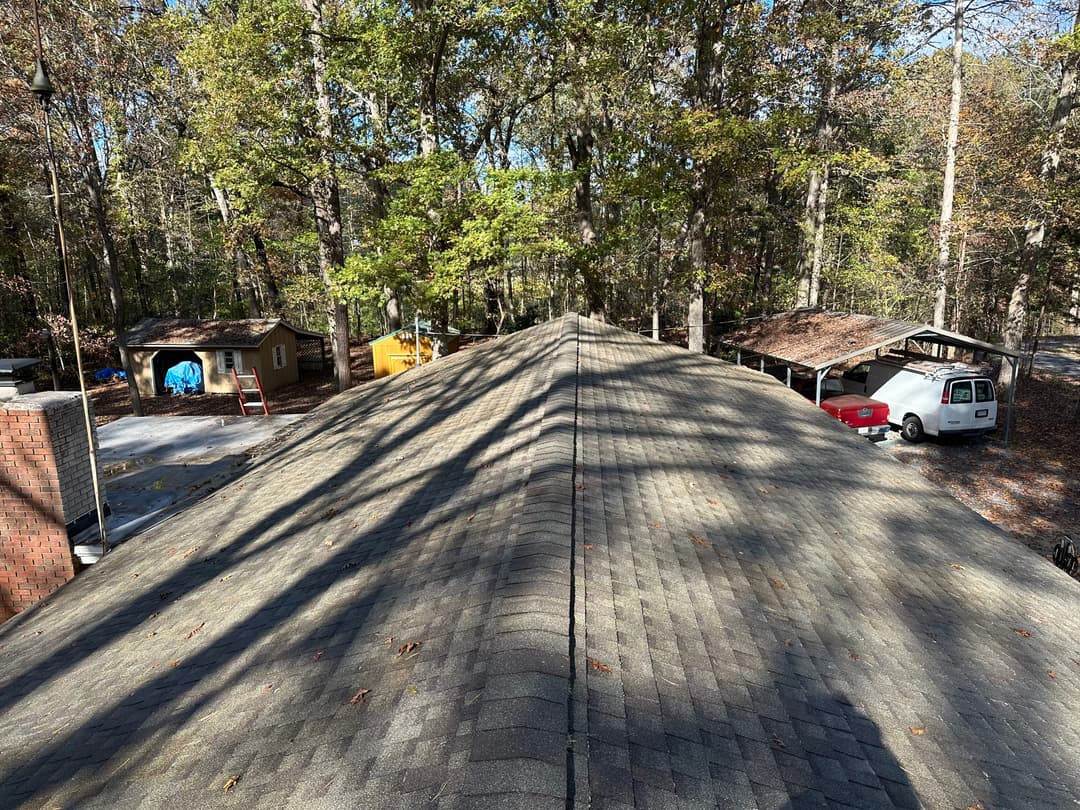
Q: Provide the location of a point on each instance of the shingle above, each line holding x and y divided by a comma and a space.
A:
696, 678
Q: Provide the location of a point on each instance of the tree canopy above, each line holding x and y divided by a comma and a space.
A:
345, 163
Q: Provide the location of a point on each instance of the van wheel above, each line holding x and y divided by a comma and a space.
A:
912, 429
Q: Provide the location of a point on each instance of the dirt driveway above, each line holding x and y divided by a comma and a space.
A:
1032, 488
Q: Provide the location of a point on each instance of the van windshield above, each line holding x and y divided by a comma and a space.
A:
984, 391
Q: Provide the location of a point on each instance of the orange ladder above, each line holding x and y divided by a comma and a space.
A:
246, 405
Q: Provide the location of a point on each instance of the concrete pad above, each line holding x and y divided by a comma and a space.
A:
155, 466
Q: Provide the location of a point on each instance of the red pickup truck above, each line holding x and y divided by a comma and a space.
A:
868, 416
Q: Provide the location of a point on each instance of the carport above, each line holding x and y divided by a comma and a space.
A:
817, 341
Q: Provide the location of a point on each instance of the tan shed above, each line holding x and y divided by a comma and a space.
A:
275, 348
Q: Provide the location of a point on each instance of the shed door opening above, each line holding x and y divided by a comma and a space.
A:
166, 359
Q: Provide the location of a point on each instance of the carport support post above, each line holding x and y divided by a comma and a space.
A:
820, 376
1012, 398
789, 376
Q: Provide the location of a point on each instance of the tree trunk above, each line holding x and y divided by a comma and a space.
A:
1038, 219
266, 272
949, 181
244, 278
326, 200
959, 309
819, 238
817, 191
579, 144
94, 183
492, 305
170, 251
695, 315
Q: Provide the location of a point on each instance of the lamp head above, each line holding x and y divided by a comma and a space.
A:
40, 86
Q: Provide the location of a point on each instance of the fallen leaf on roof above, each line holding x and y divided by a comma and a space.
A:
153, 615
581, 486
711, 502
778, 584
763, 491
360, 697
599, 666
918, 730
190, 551
788, 641
163, 596
1020, 631
175, 663
1052, 674
700, 541
658, 525
194, 630
268, 687
470, 518
232, 782
328, 543
408, 648
134, 576
588, 546
854, 656
318, 654
329, 513
957, 567
225, 578
777, 742
411, 689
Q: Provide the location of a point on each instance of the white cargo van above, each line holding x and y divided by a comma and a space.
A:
927, 397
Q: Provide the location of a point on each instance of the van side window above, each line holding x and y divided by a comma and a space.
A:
961, 393
984, 391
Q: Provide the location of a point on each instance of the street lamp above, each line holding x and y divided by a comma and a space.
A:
42, 88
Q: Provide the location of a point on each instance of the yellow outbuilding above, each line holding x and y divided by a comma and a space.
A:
397, 351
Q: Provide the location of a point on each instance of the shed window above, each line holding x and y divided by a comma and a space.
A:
279, 356
227, 360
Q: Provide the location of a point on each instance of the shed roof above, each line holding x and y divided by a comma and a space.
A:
239, 333
596, 579
817, 339
425, 331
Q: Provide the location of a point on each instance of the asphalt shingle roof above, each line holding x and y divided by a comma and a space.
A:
223, 333
635, 577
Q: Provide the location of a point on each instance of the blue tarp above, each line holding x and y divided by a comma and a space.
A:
184, 378
109, 374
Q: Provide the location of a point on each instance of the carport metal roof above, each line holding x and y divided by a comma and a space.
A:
819, 340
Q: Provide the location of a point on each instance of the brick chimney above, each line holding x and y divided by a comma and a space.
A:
46, 495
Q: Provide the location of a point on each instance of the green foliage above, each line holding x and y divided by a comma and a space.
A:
445, 226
